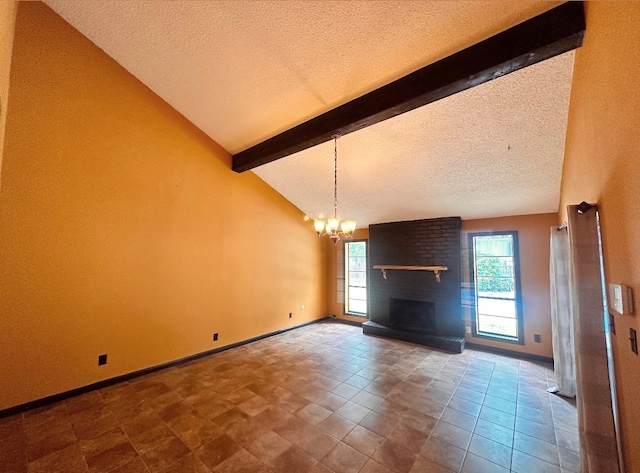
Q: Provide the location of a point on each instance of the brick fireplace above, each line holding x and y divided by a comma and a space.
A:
412, 305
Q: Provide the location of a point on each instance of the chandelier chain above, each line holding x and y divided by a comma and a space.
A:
335, 176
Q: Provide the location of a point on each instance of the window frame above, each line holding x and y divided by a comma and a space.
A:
519, 339
345, 291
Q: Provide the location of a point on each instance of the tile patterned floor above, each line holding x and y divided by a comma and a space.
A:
323, 398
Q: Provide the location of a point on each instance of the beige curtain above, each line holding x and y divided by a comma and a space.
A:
598, 441
561, 314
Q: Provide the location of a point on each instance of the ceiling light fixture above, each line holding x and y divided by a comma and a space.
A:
331, 226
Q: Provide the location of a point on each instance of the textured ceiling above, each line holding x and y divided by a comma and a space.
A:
245, 71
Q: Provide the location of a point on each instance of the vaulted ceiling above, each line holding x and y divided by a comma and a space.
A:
243, 71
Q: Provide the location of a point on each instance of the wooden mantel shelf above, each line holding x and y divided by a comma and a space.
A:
436, 269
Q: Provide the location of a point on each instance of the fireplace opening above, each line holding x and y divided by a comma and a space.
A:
414, 316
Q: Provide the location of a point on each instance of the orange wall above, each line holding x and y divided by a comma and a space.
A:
533, 240
7, 24
602, 164
124, 231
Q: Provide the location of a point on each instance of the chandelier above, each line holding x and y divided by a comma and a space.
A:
331, 226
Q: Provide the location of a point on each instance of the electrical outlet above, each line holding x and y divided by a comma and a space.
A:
215, 337
537, 338
102, 360
290, 315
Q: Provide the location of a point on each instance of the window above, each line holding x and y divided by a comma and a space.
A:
498, 312
355, 278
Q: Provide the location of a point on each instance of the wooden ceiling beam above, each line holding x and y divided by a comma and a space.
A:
544, 36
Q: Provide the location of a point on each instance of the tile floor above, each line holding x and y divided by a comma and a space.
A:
323, 398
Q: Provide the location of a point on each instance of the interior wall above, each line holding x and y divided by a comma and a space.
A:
7, 25
602, 165
123, 229
533, 239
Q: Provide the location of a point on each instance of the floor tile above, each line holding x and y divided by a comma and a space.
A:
395, 457
490, 450
443, 453
344, 459
217, 451
321, 399
452, 434
363, 440
475, 464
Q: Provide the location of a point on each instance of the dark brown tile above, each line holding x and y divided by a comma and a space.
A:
293, 459
381, 424
189, 464
226, 420
167, 399
194, 429
246, 432
255, 405
134, 466
268, 447
147, 432
79, 404
313, 413
52, 438
374, 467
336, 426
54, 413
366, 399
292, 403
395, 457
412, 439
102, 442
345, 390
111, 458
165, 454
315, 442
423, 465
172, 411
344, 459
241, 462
66, 460
443, 453
217, 451
353, 411
363, 440
93, 423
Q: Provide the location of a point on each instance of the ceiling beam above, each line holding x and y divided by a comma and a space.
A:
544, 36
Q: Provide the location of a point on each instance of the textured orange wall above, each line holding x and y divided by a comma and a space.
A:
7, 24
124, 231
602, 164
533, 239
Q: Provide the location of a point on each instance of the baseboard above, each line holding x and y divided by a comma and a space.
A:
510, 353
45, 401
